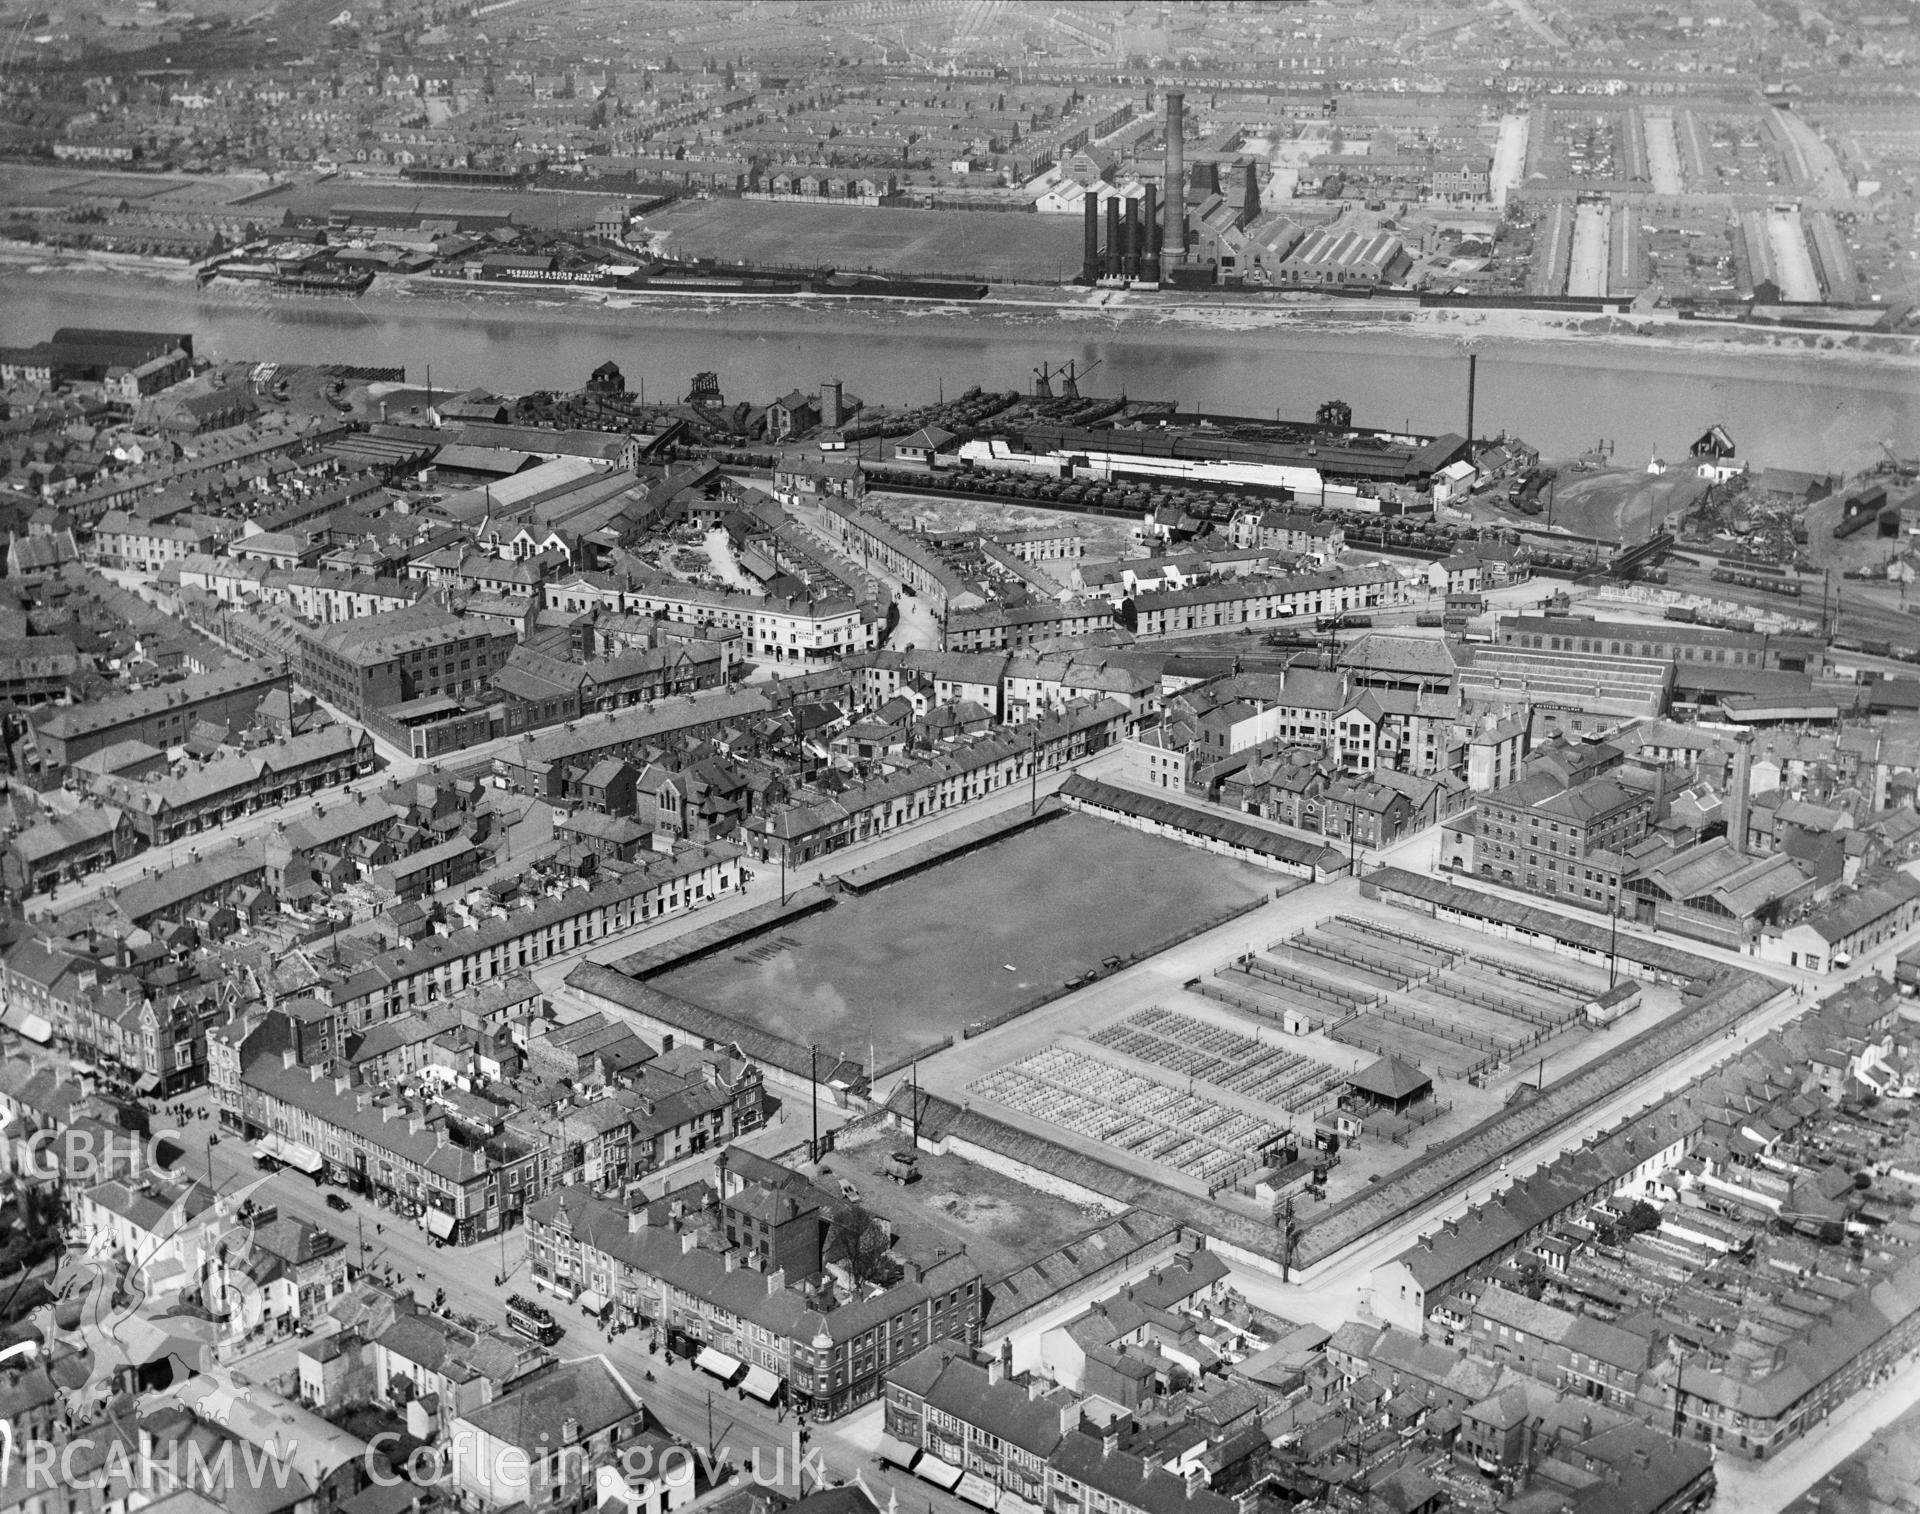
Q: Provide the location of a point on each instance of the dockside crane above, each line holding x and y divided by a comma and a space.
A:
1070, 385
1068, 375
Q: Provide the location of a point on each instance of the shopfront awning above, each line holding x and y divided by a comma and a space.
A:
977, 1491
148, 1082
34, 1027
1013, 1503
592, 1302
439, 1223
718, 1363
897, 1452
937, 1472
762, 1384
290, 1152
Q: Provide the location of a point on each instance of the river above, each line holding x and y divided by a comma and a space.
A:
1783, 410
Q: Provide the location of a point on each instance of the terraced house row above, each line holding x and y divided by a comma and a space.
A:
205, 796
797, 627
439, 967
816, 824
1214, 606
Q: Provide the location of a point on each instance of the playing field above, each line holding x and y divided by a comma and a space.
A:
955, 244
915, 962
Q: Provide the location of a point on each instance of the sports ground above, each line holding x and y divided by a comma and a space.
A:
904, 968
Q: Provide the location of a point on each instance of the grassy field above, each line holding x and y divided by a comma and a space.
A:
965, 244
914, 963
552, 212
27, 184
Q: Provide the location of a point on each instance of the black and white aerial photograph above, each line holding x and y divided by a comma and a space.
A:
985, 756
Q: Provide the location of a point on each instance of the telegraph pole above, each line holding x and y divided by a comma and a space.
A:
1283, 1219
813, 1087
1613, 941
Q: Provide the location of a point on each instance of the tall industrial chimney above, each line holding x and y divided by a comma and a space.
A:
1113, 238
1150, 235
1739, 791
1130, 242
831, 404
1250, 200
1473, 371
1173, 226
1090, 253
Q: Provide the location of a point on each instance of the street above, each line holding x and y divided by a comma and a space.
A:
718, 1422
1588, 274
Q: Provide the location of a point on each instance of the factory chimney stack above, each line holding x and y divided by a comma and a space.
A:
1739, 792
1173, 232
1150, 235
1473, 372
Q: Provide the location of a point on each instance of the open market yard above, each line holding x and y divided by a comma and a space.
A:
1185, 1069
903, 969
950, 244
